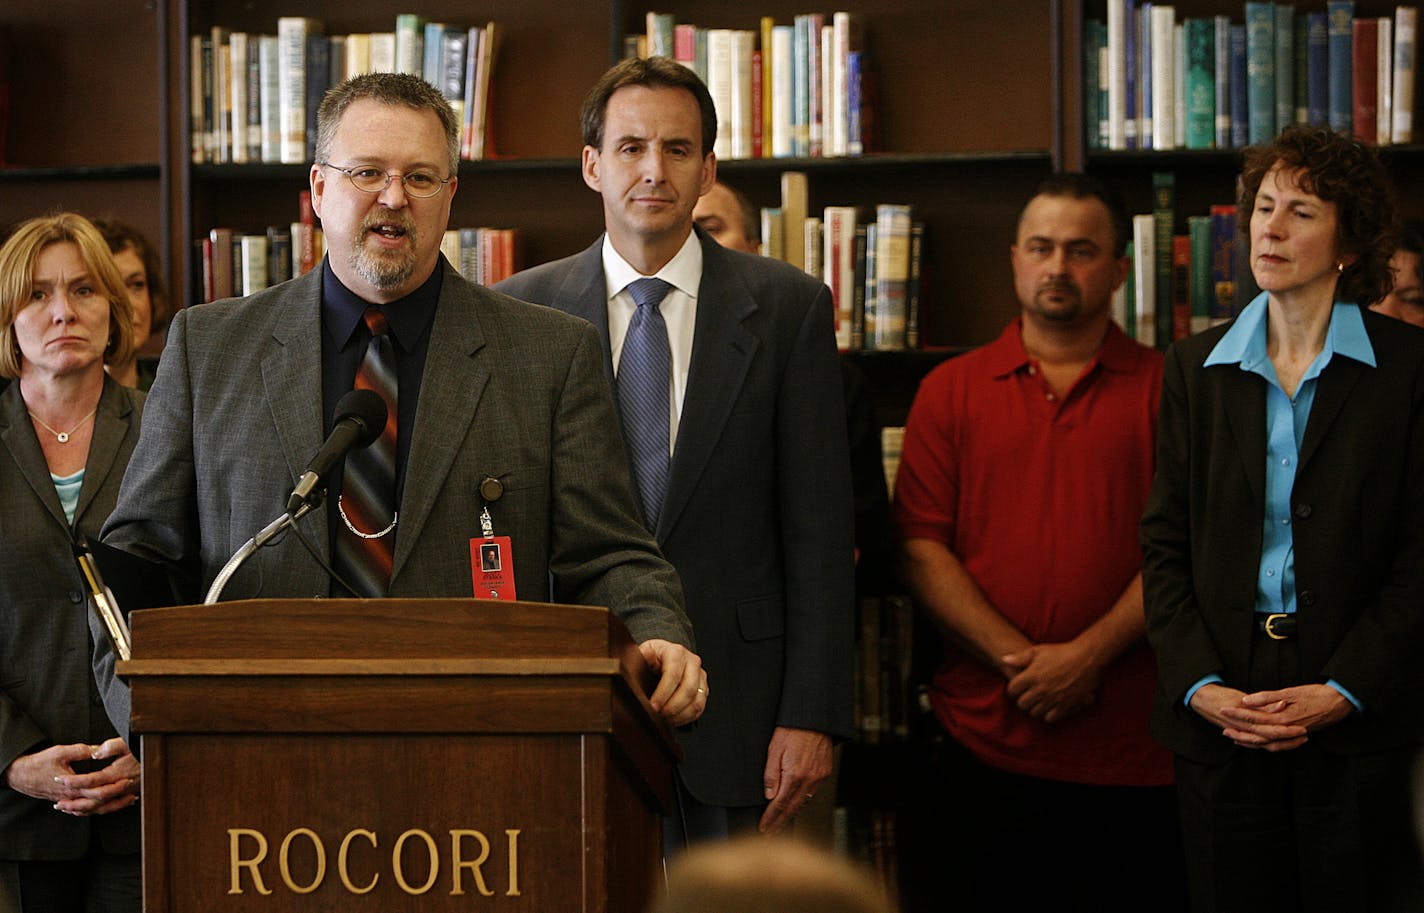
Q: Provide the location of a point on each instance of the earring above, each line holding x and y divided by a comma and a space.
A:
1340, 267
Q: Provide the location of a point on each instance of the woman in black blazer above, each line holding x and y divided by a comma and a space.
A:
1284, 555
69, 829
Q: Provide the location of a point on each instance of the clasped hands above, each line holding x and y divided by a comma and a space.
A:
1051, 682
50, 775
1271, 720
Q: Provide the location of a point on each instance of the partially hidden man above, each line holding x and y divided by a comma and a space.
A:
481, 387
730, 400
1025, 468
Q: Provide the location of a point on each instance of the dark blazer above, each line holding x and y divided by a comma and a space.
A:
47, 693
1358, 525
758, 516
510, 391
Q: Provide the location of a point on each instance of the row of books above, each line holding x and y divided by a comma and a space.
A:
255, 97
236, 263
874, 268
798, 90
1182, 284
1152, 81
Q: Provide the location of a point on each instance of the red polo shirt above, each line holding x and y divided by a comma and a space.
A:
1039, 497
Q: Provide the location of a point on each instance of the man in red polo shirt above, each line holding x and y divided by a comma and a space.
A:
1025, 470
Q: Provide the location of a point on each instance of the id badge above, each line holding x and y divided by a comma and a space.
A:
492, 567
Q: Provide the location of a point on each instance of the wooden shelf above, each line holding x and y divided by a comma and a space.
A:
141, 172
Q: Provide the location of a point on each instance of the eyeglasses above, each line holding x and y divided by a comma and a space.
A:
419, 184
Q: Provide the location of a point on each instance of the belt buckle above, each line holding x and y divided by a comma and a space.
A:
1270, 626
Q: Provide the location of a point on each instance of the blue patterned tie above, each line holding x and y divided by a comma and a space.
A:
644, 381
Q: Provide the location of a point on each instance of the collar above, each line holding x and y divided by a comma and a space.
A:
683, 271
409, 317
1244, 343
1007, 354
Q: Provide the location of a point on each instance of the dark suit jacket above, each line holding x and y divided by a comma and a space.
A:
1358, 527
47, 693
510, 391
758, 517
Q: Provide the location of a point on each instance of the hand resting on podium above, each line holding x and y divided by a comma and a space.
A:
681, 693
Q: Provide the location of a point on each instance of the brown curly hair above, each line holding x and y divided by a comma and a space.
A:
1341, 170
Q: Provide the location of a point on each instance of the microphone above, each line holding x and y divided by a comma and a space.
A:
360, 419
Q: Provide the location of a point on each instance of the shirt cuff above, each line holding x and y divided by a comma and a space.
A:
1359, 708
1212, 679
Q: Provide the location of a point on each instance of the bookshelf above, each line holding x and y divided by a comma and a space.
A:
1204, 176
965, 162
83, 129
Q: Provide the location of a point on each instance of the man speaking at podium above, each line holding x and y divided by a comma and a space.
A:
500, 429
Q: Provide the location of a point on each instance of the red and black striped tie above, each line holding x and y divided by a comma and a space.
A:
365, 542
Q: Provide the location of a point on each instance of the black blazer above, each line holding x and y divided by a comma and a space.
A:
47, 692
1358, 525
758, 517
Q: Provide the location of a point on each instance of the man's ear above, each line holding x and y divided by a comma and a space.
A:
589, 169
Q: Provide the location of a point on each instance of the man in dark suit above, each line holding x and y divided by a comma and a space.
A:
498, 407
747, 486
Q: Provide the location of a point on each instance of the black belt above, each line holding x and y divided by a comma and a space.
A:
1279, 626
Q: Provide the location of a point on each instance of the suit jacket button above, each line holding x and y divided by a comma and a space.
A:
1307, 597
76, 597
1302, 511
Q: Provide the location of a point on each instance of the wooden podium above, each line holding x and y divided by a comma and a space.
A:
395, 755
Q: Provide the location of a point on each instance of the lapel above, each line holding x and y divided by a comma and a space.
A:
450, 391
291, 379
722, 352
584, 293
111, 426
1244, 401
18, 435
1331, 391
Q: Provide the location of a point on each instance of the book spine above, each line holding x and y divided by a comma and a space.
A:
1340, 37
254, 98
255, 275
1163, 218
1406, 24
720, 75
237, 94
304, 243
1164, 55
1221, 47
197, 88
914, 287
1364, 84
279, 254
1285, 66
1144, 244
221, 239
1199, 235
1145, 78
758, 95
662, 39
222, 95
812, 242
1384, 73
743, 43
1240, 108
318, 72
865, 285
1092, 46
410, 44
1181, 286
781, 91
892, 263
800, 88
1117, 75
1200, 42
1261, 71
794, 199
815, 113
1222, 304
292, 34
768, 83
1317, 67
834, 256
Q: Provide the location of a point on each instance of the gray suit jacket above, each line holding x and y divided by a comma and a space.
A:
47, 693
510, 391
758, 515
